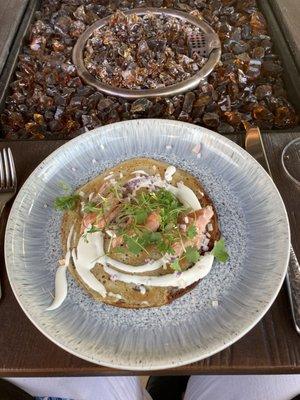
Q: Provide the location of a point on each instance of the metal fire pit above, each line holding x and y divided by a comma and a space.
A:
283, 47
211, 45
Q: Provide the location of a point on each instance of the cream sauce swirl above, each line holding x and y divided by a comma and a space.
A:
86, 256
180, 280
135, 269
61, 284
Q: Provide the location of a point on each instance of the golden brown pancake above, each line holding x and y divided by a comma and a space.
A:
130, 293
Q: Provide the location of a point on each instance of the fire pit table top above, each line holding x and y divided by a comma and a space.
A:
47, 99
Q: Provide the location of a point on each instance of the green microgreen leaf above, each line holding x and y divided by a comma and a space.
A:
116, 189
219, 251
154, 237
191, 232
133, 216
66, 203
93, 229
175, 265
91, 207
120, 250
148, 238
133, 246
64, 186
192, 254
140, 216
165, 247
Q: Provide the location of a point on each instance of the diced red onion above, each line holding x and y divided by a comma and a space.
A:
183, 227
197, 148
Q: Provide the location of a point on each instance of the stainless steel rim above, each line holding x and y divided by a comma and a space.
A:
171, 90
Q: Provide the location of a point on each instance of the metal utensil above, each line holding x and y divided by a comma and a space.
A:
211, 45
8, 179
202, 44
254, 145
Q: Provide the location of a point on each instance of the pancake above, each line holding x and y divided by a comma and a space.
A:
120, 293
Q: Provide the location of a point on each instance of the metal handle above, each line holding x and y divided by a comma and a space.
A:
255, 146
293, 286
2, 205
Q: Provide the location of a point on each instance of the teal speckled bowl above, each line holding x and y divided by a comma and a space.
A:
221, 309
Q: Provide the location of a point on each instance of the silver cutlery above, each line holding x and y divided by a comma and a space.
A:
254, 145
8, 179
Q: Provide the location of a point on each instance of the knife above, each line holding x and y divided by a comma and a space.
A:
255, 146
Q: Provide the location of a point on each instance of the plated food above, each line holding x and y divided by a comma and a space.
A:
219, 310
139, 235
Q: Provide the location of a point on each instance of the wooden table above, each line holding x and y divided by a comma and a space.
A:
273, 346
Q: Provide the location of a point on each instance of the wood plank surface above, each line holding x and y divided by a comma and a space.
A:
11, 12
272, 346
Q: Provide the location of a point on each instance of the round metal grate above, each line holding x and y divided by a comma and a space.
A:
202, 43
206, 44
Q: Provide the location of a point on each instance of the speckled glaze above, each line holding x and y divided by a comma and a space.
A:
220, 310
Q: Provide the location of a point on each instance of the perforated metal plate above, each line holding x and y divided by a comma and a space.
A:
210, 47
202, 43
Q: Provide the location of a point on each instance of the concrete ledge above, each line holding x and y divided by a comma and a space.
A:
287, 13
11, 12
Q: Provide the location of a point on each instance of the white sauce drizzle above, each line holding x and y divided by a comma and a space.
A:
61, 284
181, 280
111, 233
69, 239
148, 181
139, 172
185, 195
210, 227
170, 171
109, 176
88, 254
97, 250
143, 289
91, 195
135, 269
115, 295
